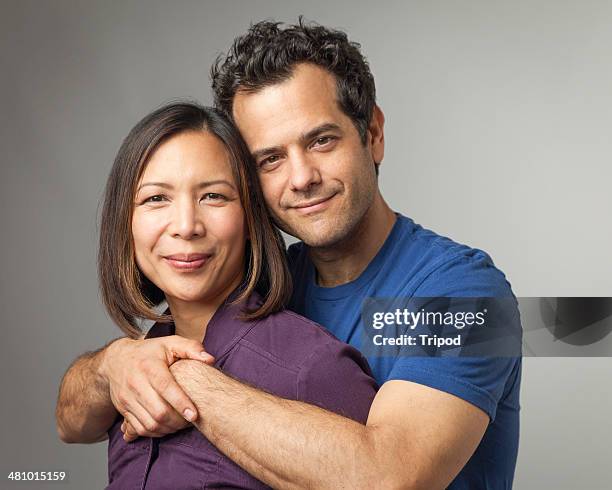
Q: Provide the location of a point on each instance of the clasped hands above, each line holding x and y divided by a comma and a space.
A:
144, 378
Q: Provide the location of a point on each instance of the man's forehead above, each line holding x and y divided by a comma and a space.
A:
287, 109
303, 79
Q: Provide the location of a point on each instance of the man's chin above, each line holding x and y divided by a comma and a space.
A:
321, 232
321, 237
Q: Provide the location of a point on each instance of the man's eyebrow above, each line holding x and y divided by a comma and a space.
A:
304, 138
313, 133
266, 151
201, 185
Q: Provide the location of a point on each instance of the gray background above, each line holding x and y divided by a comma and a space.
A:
498, 135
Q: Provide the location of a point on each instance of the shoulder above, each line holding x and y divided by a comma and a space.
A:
441, 266
291, 337
327, 372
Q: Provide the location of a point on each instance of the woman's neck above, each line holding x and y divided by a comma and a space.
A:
191, 318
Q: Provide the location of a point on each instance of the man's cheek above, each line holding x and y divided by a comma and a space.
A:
272, 201
272, 189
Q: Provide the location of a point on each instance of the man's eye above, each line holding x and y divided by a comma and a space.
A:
269, 160
323, 140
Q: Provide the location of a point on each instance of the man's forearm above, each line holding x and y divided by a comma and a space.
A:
287, 444
84, 408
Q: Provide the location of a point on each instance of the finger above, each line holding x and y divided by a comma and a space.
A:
144, 424
182, 348
169, 390
128, 430
129, 433
134, 429
158, 407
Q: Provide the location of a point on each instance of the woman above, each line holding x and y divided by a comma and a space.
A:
184, 221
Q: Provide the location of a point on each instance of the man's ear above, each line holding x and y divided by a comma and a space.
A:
376, 135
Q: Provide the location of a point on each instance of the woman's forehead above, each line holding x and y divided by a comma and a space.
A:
189, 155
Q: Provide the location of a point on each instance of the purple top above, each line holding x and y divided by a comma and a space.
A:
284, 354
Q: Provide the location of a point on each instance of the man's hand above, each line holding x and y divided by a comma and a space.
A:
416, 437
181, 370
142, 388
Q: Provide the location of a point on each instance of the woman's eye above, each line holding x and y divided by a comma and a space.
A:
156, 198
213, 196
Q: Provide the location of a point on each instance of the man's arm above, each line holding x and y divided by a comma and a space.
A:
415, 436
84, 409
126, 376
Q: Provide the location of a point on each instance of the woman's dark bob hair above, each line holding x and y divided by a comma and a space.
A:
127, 294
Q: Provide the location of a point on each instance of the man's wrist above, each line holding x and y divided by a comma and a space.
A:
193, 377
103, 359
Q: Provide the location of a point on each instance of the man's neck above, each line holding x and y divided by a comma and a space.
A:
345, 261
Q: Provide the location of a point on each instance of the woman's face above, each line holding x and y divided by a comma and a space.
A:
188, 223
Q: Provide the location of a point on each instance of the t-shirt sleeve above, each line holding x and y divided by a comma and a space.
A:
337, 377
481, 381
477, 380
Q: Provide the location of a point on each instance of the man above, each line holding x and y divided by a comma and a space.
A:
304, 100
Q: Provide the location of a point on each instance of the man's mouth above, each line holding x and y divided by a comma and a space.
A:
314, 205
187, 262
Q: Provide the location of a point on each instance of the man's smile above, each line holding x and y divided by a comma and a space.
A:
314, 205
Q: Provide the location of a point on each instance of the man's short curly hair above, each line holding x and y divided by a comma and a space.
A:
267, 54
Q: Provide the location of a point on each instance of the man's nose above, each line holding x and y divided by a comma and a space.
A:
187, 220
305, 173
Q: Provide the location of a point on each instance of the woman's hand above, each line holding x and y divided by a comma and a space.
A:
130, 434
142, 388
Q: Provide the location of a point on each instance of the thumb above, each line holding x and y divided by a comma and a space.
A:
182, 348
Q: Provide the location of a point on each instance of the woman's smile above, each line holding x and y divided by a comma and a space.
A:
188, 262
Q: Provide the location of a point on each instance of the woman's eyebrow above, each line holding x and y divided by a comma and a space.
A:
201, 185
208, 183
154, 184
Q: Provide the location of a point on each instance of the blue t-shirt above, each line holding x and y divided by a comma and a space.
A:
415, 262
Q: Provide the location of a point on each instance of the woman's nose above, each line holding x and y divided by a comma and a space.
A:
187, 221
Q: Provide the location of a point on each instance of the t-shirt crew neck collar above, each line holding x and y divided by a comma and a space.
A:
224, 329
365, 278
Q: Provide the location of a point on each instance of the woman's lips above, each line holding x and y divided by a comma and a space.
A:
187, 262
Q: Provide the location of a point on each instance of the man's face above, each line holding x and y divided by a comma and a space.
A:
317, 176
